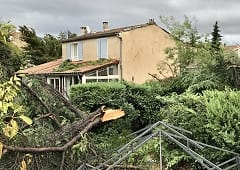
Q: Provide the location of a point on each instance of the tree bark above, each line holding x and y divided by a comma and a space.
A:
34, 94
65, 101
92, 120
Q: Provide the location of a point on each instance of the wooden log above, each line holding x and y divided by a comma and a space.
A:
82, 127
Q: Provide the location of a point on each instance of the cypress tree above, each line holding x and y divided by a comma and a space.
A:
216, 37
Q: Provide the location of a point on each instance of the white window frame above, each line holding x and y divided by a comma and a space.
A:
97, 77
54, 82
74, 57
99, 48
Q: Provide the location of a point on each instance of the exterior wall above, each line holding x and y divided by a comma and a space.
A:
64, 51
16, 40
113, 47
143, 50
90, 49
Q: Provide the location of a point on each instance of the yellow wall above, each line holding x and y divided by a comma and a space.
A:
16, 40
90, 49
64, 51
143, 49
114, 47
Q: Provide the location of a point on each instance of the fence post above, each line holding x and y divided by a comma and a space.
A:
160, 150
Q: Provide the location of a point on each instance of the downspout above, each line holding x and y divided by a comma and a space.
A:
120, 63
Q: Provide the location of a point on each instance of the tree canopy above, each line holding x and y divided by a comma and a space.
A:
40, 50
196, 52
216, 37
6, 30
52, 130
11, 56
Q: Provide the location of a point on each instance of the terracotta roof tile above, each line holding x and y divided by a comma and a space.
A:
232, 47
51, 67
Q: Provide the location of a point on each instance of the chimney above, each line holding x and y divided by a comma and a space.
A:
83, 30
151, 21
105, 26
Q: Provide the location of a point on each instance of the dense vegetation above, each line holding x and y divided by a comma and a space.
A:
10, 60
202, 97
40, 50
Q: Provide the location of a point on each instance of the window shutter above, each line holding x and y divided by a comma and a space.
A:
68, 51
80, 50
104, 50
99, 48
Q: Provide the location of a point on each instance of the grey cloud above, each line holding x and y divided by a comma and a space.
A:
53, 16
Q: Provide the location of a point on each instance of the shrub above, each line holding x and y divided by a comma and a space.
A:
138, 101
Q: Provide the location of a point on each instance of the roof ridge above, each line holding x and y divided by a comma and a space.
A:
109, 32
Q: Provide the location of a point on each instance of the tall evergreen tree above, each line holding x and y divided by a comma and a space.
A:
216, 37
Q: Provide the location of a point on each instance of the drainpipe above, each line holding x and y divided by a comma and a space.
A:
120, 63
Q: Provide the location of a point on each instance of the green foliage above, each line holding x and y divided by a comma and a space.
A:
216, 37
193, 51
68, 65
91, 96
187, 41
10, 111
10, 62
40, 50
6, 30
65, 35
213, 117
135, 100
222, 113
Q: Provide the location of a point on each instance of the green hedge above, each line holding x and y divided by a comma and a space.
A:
212, 115
91, 96
139, 102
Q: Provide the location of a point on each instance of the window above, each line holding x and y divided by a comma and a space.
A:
75, 51
102, 51
55, 83
113, 70
74, 80
91, 74
103, 72
106, 74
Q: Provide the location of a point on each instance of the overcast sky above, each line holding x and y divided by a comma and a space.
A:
54, 16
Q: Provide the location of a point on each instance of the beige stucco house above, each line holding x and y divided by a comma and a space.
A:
235, 48
16, 40
127, 53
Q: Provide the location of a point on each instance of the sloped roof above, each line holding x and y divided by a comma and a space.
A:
80, 67
109, 32
233, 47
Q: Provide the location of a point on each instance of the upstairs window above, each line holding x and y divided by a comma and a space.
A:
75, 51
102, 50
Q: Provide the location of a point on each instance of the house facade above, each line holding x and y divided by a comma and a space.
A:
127, 53
235, 48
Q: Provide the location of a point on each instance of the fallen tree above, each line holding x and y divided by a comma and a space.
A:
76, 130
81, 127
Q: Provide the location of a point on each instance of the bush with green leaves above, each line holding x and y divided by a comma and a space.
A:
212, 116
138, 101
